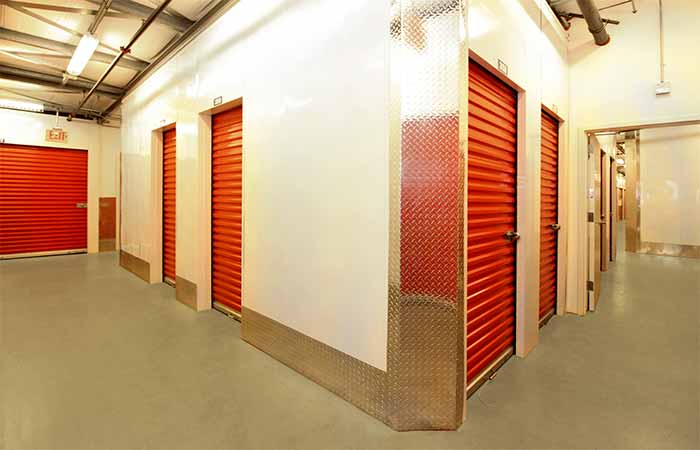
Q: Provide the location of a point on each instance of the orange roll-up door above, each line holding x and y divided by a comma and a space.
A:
548, 214
169, 196
227, 208
491, 213
43, 199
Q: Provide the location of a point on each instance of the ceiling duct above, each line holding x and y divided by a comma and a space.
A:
595, 23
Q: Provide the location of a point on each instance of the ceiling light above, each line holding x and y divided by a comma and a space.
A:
21, 105
621, 161
83, 53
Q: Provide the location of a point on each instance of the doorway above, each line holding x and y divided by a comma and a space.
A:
169, 205
549, 215
491, 224
227, 211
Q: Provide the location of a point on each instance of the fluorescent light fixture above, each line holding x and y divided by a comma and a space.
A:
83, 53
621, 161
8, 103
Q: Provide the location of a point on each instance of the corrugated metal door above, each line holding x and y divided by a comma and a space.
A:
43, 199
549, 214
169, 196
227, 208
491, 220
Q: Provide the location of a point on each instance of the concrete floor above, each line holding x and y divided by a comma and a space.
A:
92, 357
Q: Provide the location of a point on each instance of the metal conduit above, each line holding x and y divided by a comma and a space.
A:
595, 23
124, 50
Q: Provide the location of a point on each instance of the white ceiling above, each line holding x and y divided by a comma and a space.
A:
113, 32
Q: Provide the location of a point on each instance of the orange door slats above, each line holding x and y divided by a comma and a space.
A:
491, 213
43, 199
169, 202
548, 214
227, 207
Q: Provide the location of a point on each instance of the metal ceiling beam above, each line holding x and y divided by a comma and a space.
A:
64, 28
64, 9
32, 97
99, 16
30, 54
634, 7
178, 23
51, 107
62, 47
126, 49
171, 49
28, 76
48, 66
29, 59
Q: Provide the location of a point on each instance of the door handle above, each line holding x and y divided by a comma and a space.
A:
512, 236
555, 226
81, 205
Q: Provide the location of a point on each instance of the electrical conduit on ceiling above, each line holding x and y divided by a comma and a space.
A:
595, 23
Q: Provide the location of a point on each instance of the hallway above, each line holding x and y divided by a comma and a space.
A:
92, 357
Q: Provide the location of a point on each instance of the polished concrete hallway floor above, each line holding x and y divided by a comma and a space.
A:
92, 357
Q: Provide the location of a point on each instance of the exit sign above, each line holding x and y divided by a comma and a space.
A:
56, 135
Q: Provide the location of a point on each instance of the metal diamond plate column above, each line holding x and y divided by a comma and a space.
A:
426, 309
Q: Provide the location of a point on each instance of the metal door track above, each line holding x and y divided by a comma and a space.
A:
235, 315
489, 373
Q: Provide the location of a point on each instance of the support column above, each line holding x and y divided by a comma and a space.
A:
424, 385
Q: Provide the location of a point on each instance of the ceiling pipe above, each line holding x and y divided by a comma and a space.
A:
58, 25
178, 23
581, 16
125, 50
99, 16
564, 21
62, 47
595, 24
64, 9
171, 49
634, 7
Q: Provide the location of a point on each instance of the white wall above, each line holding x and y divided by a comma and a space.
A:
669, 180
314, 80
102, 144
524, 35
110, 143
614, 86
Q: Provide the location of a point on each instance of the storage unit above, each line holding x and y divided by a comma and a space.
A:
604, 211
43, 200
227, 209
491, 223
169, 202
549, 198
